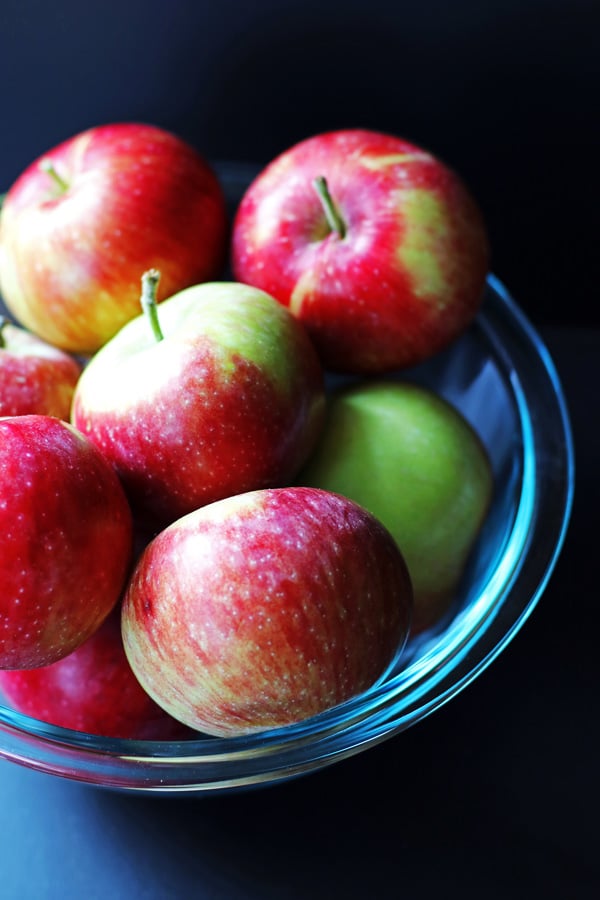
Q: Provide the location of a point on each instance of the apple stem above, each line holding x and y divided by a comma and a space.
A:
334, 219
47, 166
3, 324
150, 281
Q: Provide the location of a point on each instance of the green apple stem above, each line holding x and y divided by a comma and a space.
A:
47, 166
150, 281
334, 219
3, 324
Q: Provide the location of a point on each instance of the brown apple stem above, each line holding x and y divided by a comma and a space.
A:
47, 166
334, 219
150, 281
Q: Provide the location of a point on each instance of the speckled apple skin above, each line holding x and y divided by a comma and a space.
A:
231, 400
66, 540
35, 377
137, 197
265, 609
407, 277
92, 690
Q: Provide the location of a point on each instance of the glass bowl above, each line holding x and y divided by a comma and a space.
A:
501, 377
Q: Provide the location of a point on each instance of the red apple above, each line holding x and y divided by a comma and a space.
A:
35, 377
66, 540
80, 226
266, 608
92, 690
374, 243
227, 396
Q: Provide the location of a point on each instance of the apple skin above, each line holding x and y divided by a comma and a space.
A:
71, 259
264, 609
66, 543
414, 461
92, 690
409, 274
35, 377
232, 399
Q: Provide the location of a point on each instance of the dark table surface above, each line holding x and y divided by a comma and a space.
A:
493, 796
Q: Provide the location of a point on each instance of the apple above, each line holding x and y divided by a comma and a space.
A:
81, 224
216, 391
266, 608
66, 541
35, 377
372, 242
410, 458
91, 690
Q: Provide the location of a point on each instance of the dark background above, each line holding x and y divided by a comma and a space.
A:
495, 796
506, 91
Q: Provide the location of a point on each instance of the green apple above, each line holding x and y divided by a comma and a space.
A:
414, 461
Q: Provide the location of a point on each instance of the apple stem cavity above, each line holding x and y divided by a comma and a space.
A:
150, 281
334, 219
47, 166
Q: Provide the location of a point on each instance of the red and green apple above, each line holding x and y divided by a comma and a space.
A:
216, 391
375, 244
264, 609
82, 223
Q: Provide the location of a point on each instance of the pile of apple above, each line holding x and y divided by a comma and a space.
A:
196, 530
